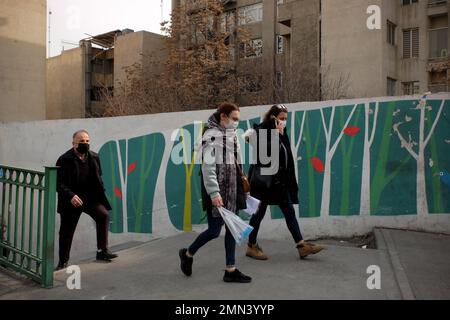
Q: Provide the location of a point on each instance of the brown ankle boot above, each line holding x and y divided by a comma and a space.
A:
315, 248
304, 250
254, 251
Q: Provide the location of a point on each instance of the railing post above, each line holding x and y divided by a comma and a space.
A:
48, 235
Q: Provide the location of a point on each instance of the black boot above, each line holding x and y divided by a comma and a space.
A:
185, 262
106, 255
236, 276
61, 266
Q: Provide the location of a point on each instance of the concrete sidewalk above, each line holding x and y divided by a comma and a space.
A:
412, 264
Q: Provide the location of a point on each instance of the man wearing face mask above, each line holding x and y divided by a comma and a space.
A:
80, 189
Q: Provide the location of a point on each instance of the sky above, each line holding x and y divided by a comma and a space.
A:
73, 20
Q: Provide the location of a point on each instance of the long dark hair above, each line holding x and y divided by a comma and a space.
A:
274, 111
226, 108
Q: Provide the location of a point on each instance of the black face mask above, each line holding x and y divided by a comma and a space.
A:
83, 148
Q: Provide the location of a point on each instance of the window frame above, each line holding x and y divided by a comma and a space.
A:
242, 14
391, 34
429, 42
414, 52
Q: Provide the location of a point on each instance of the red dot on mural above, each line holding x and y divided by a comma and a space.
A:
317, 164
352, 131
118, 193
132, 167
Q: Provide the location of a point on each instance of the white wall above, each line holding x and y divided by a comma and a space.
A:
34, 145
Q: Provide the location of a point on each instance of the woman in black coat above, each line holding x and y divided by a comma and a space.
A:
280, 188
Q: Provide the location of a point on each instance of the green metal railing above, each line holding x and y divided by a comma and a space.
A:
27, 222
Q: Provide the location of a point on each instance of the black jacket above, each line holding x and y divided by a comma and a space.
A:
283, 185
68, 175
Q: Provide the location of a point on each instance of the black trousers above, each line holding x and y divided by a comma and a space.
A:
289, 215
69, 221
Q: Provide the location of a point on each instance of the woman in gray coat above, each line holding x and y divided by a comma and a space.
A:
221, 187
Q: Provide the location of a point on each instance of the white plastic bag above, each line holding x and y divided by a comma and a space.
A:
238, 227
252, 205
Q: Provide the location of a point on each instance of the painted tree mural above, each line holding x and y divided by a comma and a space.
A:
372, 158
346, 176
131, 169
330, 150
416, 147
183, 189
370, 128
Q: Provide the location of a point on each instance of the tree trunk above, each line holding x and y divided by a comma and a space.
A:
422, 203
365, 181
326, 188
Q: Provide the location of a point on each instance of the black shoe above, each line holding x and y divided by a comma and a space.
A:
106, 255
186, 262
61, 266
236, 276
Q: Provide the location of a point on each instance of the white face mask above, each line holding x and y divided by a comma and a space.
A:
283, 123
233, 125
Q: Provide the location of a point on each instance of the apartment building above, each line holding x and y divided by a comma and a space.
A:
407, 55
78, 78
325, 49
283, 54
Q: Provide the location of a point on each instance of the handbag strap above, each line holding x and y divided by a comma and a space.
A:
239, 167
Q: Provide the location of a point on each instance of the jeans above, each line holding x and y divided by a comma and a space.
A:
289, 216
213, 232
69, 221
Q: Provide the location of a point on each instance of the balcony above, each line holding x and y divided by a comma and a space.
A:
437, 88
285, 13
437, 7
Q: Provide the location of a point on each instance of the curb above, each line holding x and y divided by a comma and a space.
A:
386, 243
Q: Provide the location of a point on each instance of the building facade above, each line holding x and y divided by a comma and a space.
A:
22, 59
78, 78
407, 55
283, 52
331, 49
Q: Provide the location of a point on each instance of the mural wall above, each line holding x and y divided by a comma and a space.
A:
361, 158
360, 164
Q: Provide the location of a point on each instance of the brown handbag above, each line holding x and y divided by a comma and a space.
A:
245, 182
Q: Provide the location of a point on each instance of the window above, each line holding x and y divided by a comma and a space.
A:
408, 2
410, 88
391, 83
252, 49
280, 2
439, 43
280, 44
251, 14
391, 27
411, 43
